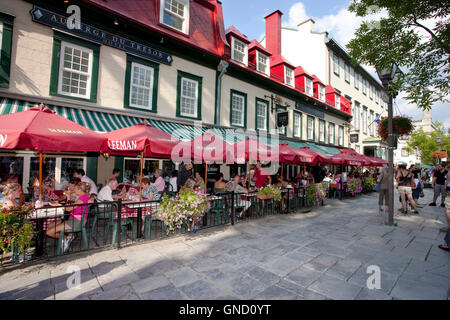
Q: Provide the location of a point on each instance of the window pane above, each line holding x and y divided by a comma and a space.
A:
189, 100
261, 113
75, 71
237, 110
141, 86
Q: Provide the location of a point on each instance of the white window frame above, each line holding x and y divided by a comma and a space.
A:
357, 117
364, 120
152, 70
233, 42
64, 45
242, 112
297, 130
195, 115
371, 91
364, 86
321, 91
336, 66
347, 72
341, 133
322, 125
292, 82
261, 55
312, 128
356, 80
337, 100
377, 96
266, 106
331, 133
308, 86
185, 28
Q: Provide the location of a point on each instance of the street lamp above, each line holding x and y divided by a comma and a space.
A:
387, 76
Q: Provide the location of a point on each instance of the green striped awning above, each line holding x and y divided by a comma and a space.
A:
104, 121
328, 151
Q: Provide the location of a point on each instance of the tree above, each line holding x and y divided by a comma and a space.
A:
404, 36
426, 143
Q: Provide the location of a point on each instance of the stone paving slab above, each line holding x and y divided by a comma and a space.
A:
320, 255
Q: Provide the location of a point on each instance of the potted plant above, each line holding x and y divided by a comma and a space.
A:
269, 192
16, 232
186, 209
316, 193
369, 184
402, 126
354, 186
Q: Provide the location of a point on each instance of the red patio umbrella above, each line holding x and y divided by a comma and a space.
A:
141, 139
352, 158
378, 162
41, 129
322, 158
252, 149
289, 154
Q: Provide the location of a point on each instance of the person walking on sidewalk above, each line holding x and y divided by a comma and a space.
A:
439, 184
404, 180
384, 186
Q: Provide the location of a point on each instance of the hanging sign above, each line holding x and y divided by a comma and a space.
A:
100, 36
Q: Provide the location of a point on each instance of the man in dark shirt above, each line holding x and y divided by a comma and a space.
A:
439, 185
184, 174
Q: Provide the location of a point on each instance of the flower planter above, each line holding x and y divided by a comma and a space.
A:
265, 196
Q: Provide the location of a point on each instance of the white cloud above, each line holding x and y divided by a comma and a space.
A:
297, 14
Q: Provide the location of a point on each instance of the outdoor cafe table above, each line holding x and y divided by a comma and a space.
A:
42, 218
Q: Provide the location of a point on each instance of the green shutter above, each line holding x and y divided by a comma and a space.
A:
91, 168
5, 53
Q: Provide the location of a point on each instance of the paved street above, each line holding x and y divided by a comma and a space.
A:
320, 255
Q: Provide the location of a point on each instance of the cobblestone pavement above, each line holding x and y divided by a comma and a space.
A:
320, 255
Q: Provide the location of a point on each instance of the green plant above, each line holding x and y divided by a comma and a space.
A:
15, 229
354, 186
316, 193
185, 209
369, 184
401, 126
270, 190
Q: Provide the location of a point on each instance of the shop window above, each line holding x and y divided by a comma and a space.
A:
175, 14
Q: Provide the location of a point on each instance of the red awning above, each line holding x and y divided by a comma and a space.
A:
131, 141
322, 158
207, 148
252, 149
378, 162
352, 158
41, 129
291, 155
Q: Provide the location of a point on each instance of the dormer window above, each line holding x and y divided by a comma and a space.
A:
321, 92
338, 101
175, 14
240, 51
289, 76
308, 86
262, 63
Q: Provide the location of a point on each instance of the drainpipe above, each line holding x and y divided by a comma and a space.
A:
222, 68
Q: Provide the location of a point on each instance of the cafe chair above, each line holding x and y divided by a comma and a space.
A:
81, 228
114, 225
148, 226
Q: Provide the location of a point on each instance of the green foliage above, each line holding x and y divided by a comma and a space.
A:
273, 191
316, 193
15, 229
426, 144
404, 36
369, 184
401, 126
183, 210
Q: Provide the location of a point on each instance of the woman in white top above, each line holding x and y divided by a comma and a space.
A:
173, 181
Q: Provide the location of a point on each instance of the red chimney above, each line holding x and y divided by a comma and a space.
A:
273, 32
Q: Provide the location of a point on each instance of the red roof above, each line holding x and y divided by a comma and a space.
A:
206, 19
235, 32
316, 79
258, 46
329, 89
299, 71
279, 59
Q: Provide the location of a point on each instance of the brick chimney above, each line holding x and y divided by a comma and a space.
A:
273, 32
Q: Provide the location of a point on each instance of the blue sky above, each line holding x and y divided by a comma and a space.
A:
330, 15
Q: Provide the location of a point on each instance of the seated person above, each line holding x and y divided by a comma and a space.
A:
10, 195
106, 193
173, 182
160, 183
234, 186
149, 191
76, 214
48, 186
219, 185
70, 192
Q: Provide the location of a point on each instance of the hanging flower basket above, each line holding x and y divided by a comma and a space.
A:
440, 155
402, 126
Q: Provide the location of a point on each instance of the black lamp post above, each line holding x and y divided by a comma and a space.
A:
387, 76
